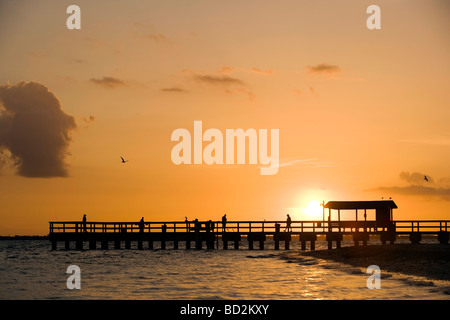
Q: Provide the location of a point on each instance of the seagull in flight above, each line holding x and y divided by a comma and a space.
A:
123, 161
425, 178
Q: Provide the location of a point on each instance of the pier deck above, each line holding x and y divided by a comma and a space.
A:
210, 232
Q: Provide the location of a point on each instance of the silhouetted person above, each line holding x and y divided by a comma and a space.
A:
141, 225
196, 225
224, 222
164, 228
288, 224
84, 224
187, 224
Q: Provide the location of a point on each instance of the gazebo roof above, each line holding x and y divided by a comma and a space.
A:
349, 205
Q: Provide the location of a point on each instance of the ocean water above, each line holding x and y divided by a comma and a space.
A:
30, 270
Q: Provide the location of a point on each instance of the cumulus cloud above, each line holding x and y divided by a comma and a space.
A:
34, 130
109, 82
323, 68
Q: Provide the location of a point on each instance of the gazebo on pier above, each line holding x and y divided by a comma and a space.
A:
383, 222
383, 210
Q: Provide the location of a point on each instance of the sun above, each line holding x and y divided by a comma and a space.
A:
314, 210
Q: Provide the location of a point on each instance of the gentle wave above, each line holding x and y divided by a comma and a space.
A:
30, 270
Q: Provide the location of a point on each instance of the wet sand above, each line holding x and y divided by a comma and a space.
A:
431, 261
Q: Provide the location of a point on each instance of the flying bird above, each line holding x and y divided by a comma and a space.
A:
123, 161
425, 178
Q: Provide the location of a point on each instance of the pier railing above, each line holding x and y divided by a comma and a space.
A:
268, 227
190, 226
421, 226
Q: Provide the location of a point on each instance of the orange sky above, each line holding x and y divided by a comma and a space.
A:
362, 114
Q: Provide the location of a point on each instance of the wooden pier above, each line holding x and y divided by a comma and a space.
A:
211, 234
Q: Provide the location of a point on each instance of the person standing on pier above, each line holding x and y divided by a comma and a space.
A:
288, 224
224, 222
141, 225
84, 224
187, 224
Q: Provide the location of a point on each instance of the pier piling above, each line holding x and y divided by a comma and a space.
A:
443, 237
415, 237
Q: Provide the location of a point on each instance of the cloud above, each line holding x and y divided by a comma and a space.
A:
323, 68
228, 70
157, 37
7, 160
34, 130
419, 186
174, 89
415, 177
307, 162
109, 82
417, 190
251, 96
301, 92
222, 80
89, 120
227, 84
231, 85
260, 71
